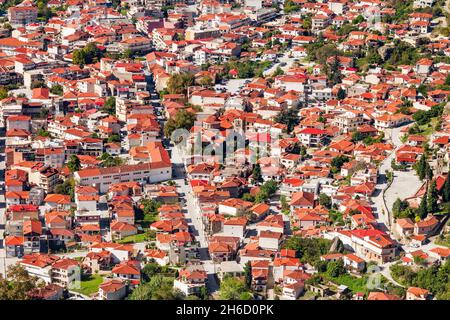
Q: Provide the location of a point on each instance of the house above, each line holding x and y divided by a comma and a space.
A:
269, 240
404, 226
51, 292
442, 254
305, 218
426, 226
369, 244
223, 248
101, 178
354, 262
415, 293
284, 261
112, 290
274, 223
66, 273
311, 137
190, 281
293, 290
13, 246
260, 275
382, 296
97, 261
39, 265
159, 256
230, 269
234, 206
235, 227
302, 200
128, 270
120, 230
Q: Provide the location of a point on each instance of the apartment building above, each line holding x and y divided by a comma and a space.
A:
158, 169
22, 14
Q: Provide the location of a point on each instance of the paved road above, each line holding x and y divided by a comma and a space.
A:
284, 59
3, 263
405, 184
386, 272
193, 216
233, 86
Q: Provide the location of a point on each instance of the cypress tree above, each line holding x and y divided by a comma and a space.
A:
428, 171
422, 211
446, 189
256, 174
432, 200
248, 275
421, 168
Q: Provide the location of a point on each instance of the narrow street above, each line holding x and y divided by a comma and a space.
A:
193, 216
405, 183
4, 262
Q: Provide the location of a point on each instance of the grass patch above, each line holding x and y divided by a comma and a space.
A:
353, 283
429, 128
90, 284
141, 237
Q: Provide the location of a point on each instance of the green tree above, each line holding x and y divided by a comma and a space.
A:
325, 200
337, 162
290, 6
113, 138
266, 190
3, 93
43, 133
248, 197
289, 117
285, 208
341, 94
111, 161
151, 269
399, 208
182, 119
421, 167
256, 174
233, 289
38, 84
308, 250
128, 54
67, 188
74, 163
206, 82
248, 275
334, 74
335, 268
278, 72
446, 189
157, 288
358, 19
17, 283
422, 211
110, 106
147, 210
179, 83
432, 198
87, 55
57, 89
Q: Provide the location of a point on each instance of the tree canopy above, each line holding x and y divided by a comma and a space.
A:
17, 284
74, 163
182, 119
179, 83
234, 289
308, 249
87, 55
